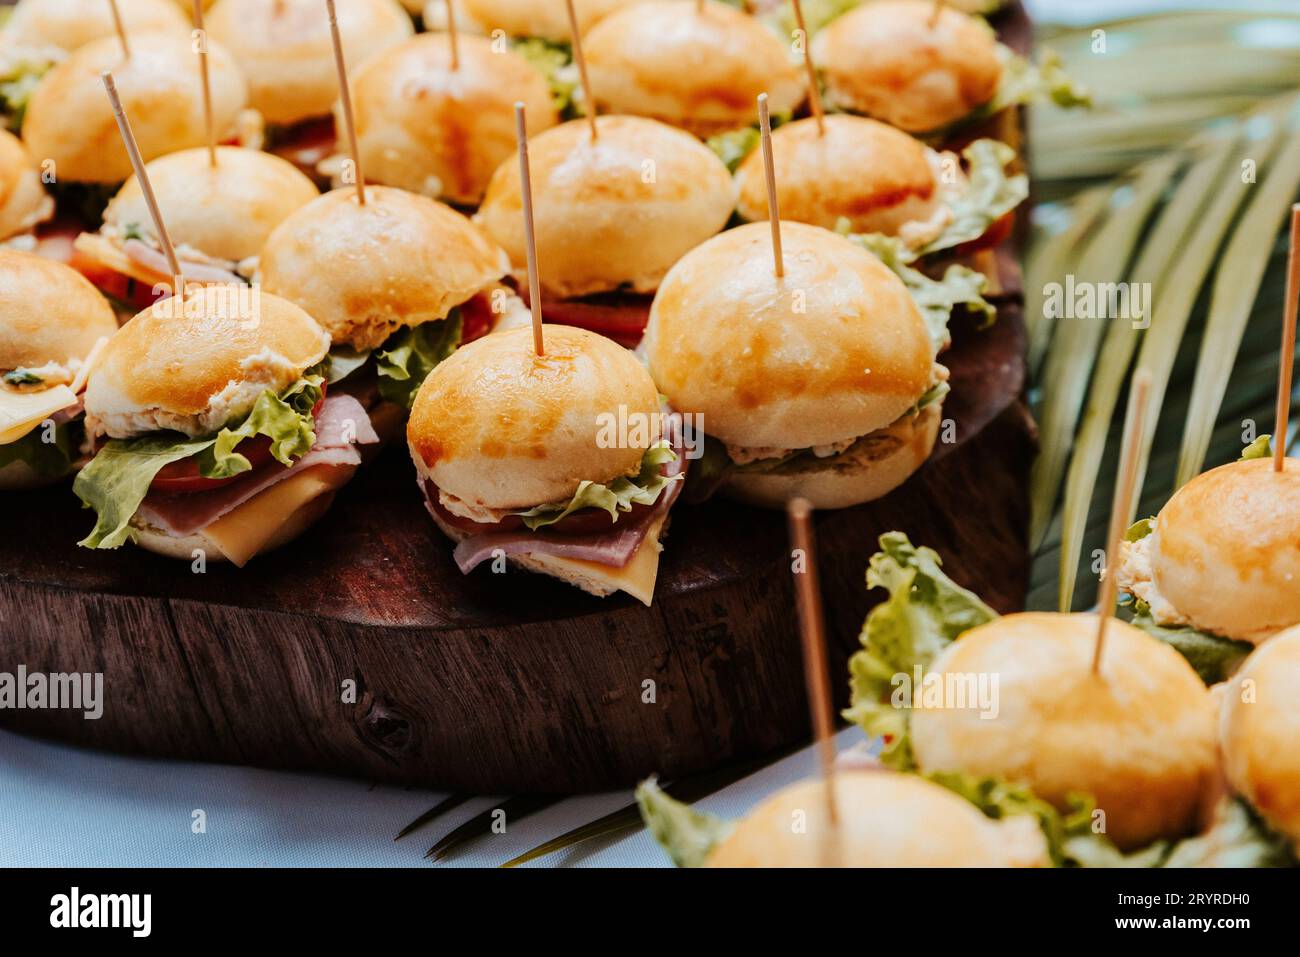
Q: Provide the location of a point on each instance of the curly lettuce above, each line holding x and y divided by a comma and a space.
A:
21, 72
1024, 82
47, 459
345, 361
1261, 448
405, 360
554, 61
687, 835
734, 145
618, 496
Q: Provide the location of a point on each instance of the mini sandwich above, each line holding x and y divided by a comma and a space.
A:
543, 19
821, 384
52, 324
214, 435
66, 25
521, 457
24, 204
884, 820
218, 217
696, 69
430, 128
613, 215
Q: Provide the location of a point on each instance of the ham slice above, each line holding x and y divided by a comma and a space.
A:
154, 260
341, 425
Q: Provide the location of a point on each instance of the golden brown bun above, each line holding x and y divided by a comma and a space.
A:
498, 427
539, 18
363, 272
601, 221
49, 312
1139, 737
432, 130
884, 59
23, 200
195, 368
1259, 727
870, 470
69, 119
225, 212
69, 24
701, 72
877, 177
1224, 551
885, 820
285, 51
834, 350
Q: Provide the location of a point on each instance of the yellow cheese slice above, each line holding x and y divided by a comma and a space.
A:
20, 412
88, 363
637, 577
241, 534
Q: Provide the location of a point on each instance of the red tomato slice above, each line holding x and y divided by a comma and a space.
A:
993, 236
475, 319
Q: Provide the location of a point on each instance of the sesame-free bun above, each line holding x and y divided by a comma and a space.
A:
700, 71
1259, 725
226, 211
499, 427
1224, 550
886, 60
196, 366
285, 51
69, 119
873, 175
1138, 737
602, 223
834, 350
23, 200
428, 128
886, 819
49, 312
538, 18
365, 271
69, 24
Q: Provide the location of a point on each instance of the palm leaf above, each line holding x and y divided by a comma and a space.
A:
515, 809
439, 809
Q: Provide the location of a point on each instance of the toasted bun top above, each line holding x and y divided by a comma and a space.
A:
1138, 737
1259, 725
173, 361
701, 72
868, 172
1224, 551
885, 59
226, 211
885, 820
69, 119
498, 426
69, 24
48, 312
601, 222
834, 350
23, 200
539, 18
285, 51
365, 271
428, 128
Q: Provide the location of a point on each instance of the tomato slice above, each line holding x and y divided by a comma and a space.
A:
475, 318
1000, 230
621, 316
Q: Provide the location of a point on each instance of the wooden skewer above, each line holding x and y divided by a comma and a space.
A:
120, 28
1122, 504
209, 123
936, 13
1287, 362
699, 8
590, 101
530, 236
345, 98
452, 35
812, 628
769, 170
814, 91
142, 176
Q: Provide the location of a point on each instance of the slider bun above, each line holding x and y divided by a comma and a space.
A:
227, 211
702, 73
284, 48
69, 24
365, 271
884, 59
868, 471
1139, 737
70, 121
726, 338
498, 427
1259, 726
49, 312
23, 200
538, 18
1224, 549
600, 224
429, 129
194, 369
886, 819
877, 177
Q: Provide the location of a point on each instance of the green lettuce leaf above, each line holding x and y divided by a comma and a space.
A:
1140, 530
619, 496
924, 613
344, 362
410, 354
1213, 657
734, 145
22, 376
46, 459
20, 73
1025, 82
689, 836
1261, 448
286, 420
1236, 838
554, 61
816, 14
991, 192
